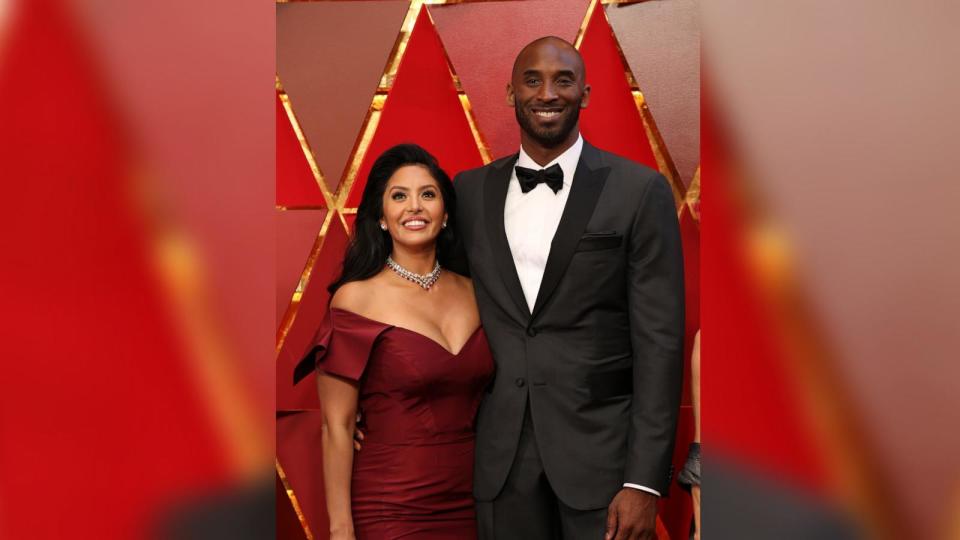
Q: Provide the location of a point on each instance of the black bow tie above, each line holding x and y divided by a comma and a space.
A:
552, 176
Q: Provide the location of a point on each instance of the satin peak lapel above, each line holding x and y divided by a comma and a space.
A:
585, 190
494, 197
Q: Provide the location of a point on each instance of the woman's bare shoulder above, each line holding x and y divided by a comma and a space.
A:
355, 296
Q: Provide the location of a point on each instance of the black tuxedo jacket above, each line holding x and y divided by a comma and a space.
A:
600, 356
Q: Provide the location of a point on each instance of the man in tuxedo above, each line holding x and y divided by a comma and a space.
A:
576, 259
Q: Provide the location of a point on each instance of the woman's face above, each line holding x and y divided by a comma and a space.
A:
413, 208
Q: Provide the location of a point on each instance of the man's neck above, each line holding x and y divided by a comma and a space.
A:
543, 155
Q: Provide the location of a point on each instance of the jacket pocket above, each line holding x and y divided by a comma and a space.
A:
608, 384
599, 240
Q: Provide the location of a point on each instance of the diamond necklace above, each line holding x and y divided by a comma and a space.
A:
426, 280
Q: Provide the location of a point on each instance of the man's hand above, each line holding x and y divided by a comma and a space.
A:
357, 440
357, 434
632, 516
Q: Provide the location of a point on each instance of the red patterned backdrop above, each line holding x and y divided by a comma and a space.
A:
354, 78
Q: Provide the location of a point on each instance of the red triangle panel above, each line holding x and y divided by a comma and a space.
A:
299, 440
296, 235
423, 108
296, 185
611, 121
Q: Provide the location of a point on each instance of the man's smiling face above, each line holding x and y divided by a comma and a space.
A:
547, 90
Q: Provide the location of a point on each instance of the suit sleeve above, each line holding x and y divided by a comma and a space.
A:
656, 305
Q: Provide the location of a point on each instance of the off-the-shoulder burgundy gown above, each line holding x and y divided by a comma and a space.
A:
413, 479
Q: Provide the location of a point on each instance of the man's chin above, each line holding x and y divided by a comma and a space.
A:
547, 137
550, 138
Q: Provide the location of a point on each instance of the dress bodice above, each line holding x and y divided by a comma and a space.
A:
412, 390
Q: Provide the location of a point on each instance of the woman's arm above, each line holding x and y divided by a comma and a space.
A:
338, 398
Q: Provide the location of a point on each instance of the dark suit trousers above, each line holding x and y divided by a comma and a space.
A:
527, 508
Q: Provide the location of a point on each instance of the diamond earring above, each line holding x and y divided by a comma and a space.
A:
383, 226
444, 226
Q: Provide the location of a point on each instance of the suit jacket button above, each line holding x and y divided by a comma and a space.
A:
531, 331
520, 382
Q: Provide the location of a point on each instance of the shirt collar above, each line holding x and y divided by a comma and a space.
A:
568, 160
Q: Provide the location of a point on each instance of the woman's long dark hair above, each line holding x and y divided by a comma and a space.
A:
367, 251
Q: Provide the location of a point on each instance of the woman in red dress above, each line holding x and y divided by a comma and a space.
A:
403, 344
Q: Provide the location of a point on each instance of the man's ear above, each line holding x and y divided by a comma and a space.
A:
585, 100
511, 99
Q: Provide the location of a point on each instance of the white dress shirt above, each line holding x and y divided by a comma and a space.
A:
530, 220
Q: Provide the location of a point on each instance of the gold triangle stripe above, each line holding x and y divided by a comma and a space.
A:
661, 154
304, 144
293, 501
293, 307
478, 137
360, 148
693, 196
